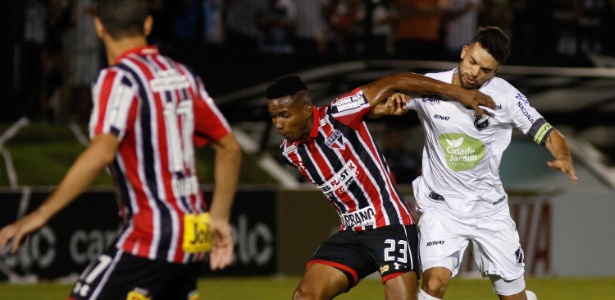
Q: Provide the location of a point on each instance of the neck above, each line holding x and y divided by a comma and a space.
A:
115, 48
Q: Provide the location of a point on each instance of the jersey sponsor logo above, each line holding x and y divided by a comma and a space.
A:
335, 141
522, 98
349, 102
462, 152
361, 217
433, 243
431, 99
481, 122
340, 181
169, 80
524, 111
441, 117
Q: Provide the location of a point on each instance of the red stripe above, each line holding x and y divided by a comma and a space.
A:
106, 86
338, 266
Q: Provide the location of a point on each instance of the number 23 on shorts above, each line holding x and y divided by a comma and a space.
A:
197, 233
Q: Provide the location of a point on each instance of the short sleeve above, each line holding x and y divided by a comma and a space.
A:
210, 124
114, 100
529, 120
351, 108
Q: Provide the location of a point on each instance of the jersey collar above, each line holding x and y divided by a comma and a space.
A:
316, 122
145, 50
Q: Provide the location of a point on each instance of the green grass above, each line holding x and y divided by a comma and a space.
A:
266, 288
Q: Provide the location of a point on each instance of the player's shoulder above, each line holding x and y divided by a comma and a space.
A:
500, 85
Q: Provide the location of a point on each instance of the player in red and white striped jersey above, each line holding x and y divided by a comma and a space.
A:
332, 148
149, 111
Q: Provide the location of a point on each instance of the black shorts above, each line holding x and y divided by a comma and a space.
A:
116, 274
390, 250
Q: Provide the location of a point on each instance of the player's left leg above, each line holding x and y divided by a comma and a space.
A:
321, 281
183, 286
511, 289
402, 287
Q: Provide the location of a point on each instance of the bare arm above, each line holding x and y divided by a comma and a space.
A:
379, 90
557, 145
82, 173
226, 173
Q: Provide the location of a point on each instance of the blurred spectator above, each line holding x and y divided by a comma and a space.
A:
277, 23
185, 36
459, 19
345, 20
418, 28
241, 33
82, 49
31, 79
213, 22
404, 163
56, 74
380, 40
311, 28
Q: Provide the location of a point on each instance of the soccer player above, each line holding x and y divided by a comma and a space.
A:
332, 148
148, 112
460, 196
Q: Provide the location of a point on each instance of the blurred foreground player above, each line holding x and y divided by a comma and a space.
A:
148, 112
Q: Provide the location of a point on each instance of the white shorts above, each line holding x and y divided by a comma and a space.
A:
495, 240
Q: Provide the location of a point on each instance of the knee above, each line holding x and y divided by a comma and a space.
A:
435, 286
302, 294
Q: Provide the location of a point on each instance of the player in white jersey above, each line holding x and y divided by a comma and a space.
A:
460, 197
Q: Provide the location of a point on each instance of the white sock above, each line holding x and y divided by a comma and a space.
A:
424, 296
530, 295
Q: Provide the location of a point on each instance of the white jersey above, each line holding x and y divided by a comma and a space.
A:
462, 152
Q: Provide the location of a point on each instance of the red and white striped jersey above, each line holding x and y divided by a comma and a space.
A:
343, 161
158, 110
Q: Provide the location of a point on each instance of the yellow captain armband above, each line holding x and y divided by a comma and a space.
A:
197, 233
541, 134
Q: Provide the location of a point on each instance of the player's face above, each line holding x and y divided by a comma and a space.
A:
291, 117
476, 67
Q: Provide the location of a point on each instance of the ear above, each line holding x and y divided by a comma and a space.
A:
148, 25
308, 111
100, 29
464, 50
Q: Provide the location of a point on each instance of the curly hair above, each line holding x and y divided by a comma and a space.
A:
287, 85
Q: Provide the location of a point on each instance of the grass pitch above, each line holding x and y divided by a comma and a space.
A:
267, 288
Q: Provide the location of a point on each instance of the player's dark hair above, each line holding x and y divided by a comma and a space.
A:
123, 18
287, 85
494, 41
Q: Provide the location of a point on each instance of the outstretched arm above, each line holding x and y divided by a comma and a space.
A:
379, 90
557, 145
82, 173
226, 173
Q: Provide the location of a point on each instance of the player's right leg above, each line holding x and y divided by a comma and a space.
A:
442, 242
321, 282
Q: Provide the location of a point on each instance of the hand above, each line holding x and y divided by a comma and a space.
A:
20, 229
221, 245
474, 98
564, 165
396, 104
